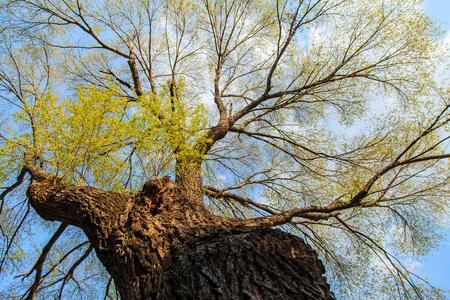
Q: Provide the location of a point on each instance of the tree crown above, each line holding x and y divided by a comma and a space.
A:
265, 100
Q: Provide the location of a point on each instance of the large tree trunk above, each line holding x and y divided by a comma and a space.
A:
160, 244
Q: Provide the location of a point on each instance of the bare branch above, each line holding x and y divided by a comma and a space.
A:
38, 265
11, 188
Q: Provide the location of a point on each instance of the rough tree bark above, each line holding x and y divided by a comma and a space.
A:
162, 243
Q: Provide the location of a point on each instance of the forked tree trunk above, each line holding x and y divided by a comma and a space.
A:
160, 244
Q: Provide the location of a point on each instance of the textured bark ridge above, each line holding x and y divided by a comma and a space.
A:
244, 263
161, 244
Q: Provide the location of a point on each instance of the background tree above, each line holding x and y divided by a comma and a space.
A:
254, 108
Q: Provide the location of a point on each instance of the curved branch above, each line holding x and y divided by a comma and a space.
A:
218, 193
397, 266
10, 242
9, 189
315, 212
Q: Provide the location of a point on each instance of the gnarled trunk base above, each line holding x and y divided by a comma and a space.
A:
162, 244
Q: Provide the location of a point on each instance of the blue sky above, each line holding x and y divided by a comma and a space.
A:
439, 9
436, 266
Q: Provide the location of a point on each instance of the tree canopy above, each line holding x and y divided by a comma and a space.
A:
321, 117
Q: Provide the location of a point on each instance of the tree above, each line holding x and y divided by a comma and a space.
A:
171, 136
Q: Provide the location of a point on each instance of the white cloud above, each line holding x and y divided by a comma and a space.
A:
446, 41
221, 180
412, 264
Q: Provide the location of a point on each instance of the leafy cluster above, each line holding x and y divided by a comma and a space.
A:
97, 137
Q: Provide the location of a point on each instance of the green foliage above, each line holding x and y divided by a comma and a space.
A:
183, 132
90, 138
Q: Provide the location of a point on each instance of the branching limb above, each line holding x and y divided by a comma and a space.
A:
394, 262
314, 212
36, 172
11, 240
432, 127
9, 189
108, 286
64, 258
69, 274
116, 77
40, 262
218, 193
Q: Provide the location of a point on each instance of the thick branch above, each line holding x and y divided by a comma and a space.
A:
75, 205
135, 75
71, 204
36, 173
314, 212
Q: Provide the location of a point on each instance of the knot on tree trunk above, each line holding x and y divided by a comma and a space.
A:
158, 186
159, 194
